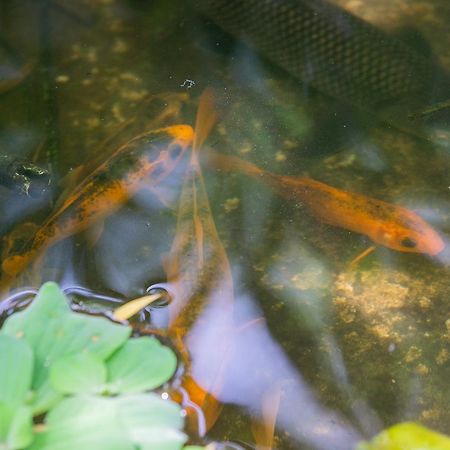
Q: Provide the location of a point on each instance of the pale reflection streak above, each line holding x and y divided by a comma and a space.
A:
256, 363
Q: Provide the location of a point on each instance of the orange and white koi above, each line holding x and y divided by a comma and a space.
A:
199, 277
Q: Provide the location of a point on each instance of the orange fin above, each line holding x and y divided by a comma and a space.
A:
263, 429
203, 409
207, 117
94, 233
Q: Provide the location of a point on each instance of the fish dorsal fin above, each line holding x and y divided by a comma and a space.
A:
206, 118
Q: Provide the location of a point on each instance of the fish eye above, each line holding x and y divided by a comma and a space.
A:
408, 242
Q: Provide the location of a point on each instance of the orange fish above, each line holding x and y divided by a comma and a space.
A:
145, 160
199, 278
385, 223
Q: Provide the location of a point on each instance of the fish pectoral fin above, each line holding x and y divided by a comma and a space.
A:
94, 233
164, 196
68, 184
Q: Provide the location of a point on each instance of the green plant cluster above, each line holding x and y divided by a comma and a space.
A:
73, 381
407, 436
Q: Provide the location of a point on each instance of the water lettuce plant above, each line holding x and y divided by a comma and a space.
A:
69, 380
407, 436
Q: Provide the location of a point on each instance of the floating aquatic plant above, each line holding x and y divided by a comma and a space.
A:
72, 381
407, 436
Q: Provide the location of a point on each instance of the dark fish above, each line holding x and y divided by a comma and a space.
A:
327, 47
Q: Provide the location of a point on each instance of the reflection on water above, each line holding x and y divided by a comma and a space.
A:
275, 329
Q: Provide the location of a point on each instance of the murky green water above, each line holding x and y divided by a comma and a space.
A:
336, 352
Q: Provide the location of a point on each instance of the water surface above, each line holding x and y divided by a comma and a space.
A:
337, 352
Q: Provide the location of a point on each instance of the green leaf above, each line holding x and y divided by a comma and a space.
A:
407, 436
141, 364
6, 416
16, 363
44, 397
86, 423
139, 410
79, 373
16, 426
53, 330
152, 423
21, 428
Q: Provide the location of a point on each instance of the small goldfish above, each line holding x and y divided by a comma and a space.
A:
385, 223
144, 160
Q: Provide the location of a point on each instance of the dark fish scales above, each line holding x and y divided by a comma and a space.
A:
326, 47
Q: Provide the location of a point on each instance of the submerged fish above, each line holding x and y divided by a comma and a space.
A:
200, 281
144, 160
385, 223
328, 48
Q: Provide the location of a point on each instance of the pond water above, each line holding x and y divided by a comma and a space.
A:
278, 321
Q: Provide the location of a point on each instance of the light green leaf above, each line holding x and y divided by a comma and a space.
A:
141, 364
407, 436
16, 369
139, 410
21, 428
152, 423
83, 423
16, 426
53, 330
44, 397
6, 416
86, 422
79, 373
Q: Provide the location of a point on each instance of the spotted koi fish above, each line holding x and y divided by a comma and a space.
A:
147, 159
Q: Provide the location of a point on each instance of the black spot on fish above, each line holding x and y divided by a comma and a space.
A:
409, 242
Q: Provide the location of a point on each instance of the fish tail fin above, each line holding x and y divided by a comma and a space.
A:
207, 117
233, 163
